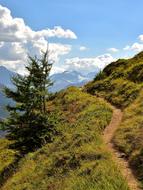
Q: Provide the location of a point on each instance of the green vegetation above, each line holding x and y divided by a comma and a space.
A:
119, 92
129, 136
28, 122
121, 83
77, 159
7, 156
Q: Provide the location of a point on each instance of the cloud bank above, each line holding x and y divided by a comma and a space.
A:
113, 50
17, 39
86, 65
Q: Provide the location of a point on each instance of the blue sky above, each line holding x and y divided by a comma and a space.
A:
98, 24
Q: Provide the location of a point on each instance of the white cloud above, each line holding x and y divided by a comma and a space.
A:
86, 65
113, 50
56, 50
57, 69
126, 48
141, 37
11, 51
15, 29
14, 56
137, 47
83, 48
17, 39
17, 65
59, 32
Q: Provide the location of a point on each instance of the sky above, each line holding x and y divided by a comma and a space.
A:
82, 35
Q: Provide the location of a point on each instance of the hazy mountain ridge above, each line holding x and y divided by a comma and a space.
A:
70, 78
5, 80
61, 81
5, 76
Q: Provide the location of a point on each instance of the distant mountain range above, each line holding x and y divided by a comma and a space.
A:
3, 102
5, 76
61, 81
70, 78
5, 80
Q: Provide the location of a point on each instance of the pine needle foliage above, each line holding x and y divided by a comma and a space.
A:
29, 124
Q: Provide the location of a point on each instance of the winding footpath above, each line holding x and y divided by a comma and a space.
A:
118, 156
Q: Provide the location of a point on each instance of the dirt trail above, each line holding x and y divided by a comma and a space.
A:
118, 156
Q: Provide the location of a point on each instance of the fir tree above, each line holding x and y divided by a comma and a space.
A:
29, 124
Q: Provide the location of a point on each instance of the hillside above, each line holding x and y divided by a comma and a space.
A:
121, 84
77, 159
71, 95
88, 152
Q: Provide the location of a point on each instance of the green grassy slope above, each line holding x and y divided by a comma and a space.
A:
7, 156
121, 83
129, 137
77, 159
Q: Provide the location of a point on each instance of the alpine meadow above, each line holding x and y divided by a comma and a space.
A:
71, 95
